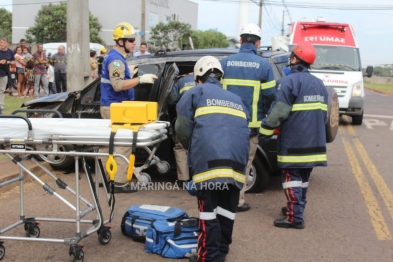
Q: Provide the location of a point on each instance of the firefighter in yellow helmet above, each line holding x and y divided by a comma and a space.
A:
117, 83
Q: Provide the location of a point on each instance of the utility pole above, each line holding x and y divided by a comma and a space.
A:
78, 39
260, 14
143, 21
282, 25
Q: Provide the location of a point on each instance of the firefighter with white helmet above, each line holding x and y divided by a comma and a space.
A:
117, 85
212, 123
300, 109
250, 77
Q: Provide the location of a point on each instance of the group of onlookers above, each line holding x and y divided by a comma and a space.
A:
31, 71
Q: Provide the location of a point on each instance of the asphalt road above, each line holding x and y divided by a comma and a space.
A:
349, 215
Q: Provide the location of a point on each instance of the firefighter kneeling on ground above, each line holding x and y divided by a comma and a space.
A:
212, 123
300, 110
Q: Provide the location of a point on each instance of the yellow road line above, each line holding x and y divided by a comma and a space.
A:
377, 178
374, 211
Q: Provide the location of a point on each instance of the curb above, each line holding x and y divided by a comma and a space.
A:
27, 178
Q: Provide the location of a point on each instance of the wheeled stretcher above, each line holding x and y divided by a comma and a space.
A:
21, 139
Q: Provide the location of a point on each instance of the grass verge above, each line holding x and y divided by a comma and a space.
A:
12, 103
381, 88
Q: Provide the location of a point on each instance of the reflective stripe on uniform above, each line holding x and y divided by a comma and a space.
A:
292, 184
225, 213
208, 215
266, 132
219, 173
219, 110
185, 89
302, 159
305, 184
309, 106
255, 84
106, 81
268, 85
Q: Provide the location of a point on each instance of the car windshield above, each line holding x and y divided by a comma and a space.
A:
337, 58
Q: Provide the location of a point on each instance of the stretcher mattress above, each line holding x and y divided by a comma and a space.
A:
97, 130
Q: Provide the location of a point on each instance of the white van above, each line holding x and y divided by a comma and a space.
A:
51, 48
337, 63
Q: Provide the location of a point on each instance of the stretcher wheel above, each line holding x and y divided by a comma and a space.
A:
145, 178
2, 251
33, 231
164, 167
76, 258
105, 236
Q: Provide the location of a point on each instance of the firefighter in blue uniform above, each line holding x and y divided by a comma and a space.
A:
117, 86
185, 83
212, 124
251, 77
300, 110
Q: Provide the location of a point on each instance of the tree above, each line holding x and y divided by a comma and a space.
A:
382, 71
6, 24
208, 39
51, 25
169, 36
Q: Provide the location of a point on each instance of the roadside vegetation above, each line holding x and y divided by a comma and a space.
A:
381, 88
11, 103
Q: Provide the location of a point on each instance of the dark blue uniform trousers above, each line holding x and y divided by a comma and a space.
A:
295, 184
217, 209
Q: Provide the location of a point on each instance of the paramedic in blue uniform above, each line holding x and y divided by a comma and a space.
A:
300, 110
185, 83
117, 86
251, 77
212, 124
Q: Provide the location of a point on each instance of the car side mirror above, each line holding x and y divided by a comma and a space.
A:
369, 71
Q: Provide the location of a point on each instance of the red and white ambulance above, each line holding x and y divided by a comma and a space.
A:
338, 62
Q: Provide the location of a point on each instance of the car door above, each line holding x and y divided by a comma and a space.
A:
169, 76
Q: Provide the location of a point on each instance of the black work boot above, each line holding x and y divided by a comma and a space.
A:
284, 211
243, 208
284, 223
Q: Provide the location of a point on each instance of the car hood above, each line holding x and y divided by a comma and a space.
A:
60, 97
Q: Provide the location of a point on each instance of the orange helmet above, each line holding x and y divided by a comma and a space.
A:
305, 51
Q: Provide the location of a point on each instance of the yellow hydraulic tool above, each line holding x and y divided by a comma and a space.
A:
128, 115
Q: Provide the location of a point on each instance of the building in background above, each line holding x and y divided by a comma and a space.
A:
110, 13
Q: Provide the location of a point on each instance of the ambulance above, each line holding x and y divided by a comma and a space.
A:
337, 63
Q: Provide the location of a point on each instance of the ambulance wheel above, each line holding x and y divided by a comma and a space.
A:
33, 231
357, 120
2, 251
165, 167
333, 115
105, 236
258, 178
145, 178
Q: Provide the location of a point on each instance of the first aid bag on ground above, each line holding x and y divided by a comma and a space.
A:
138, 218
173, 239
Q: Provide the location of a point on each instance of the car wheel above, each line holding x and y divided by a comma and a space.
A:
357, 120
332, 116
58, 161
258, 178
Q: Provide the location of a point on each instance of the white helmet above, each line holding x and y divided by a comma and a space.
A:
205, 64
251, 29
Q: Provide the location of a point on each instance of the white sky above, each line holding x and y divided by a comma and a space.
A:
373, 28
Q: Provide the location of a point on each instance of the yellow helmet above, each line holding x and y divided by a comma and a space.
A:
123, 30
103, 50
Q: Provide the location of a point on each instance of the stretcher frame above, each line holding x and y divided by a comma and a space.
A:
84, 147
